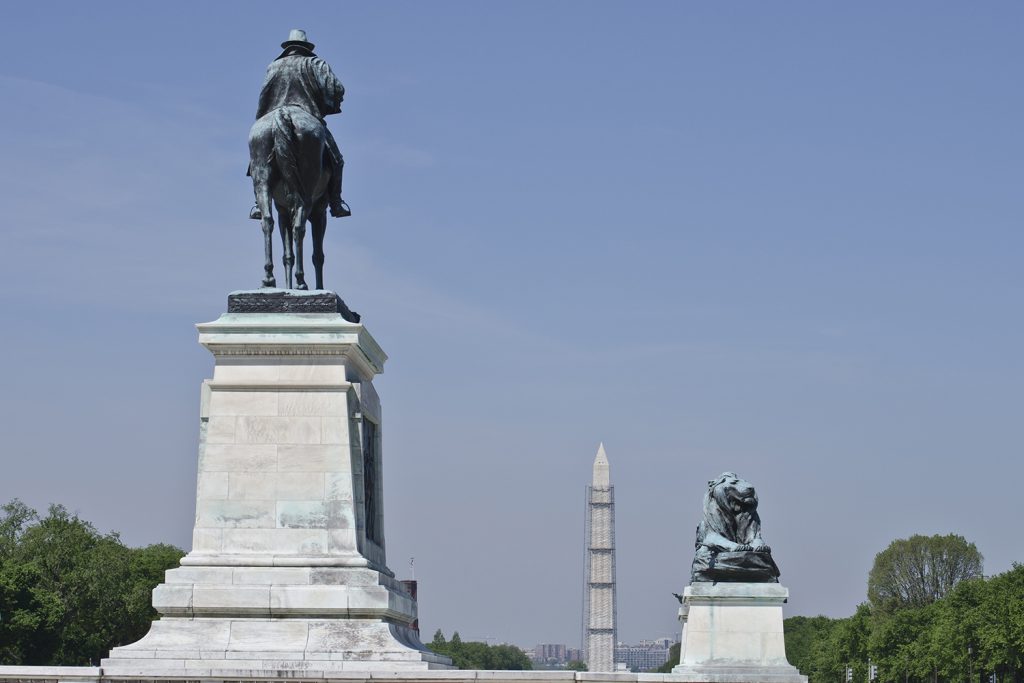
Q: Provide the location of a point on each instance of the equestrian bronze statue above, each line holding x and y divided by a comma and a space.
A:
293, 159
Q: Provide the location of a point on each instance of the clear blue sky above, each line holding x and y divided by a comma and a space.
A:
777, 238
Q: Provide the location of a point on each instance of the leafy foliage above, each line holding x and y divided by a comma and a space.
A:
917, 571
68, 593
975, 630
673, 659
474, 655
438, 641
809, 644
576, 665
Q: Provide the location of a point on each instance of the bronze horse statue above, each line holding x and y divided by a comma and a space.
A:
293, 159
286, 148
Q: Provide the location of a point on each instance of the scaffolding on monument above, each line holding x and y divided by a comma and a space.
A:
585, 621
603, 545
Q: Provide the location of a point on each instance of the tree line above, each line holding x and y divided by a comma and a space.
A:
930, 617
476, 655
69, 593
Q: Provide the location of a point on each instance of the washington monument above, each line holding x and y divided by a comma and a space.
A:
599, 631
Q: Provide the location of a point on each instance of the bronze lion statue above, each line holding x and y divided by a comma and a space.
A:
729, 545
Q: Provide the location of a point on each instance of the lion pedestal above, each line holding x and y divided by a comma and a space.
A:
732, 609
732, 633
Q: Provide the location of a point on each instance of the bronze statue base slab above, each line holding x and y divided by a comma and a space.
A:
742, 566
271, 300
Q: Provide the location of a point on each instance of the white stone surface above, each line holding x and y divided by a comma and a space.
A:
282, 454
282, 575
270, 645
732, 633
602, 474
74, 674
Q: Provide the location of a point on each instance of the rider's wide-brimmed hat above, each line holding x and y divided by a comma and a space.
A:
297, 38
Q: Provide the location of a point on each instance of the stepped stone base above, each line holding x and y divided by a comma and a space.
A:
311, 592
295, 619
738, 674
295, 647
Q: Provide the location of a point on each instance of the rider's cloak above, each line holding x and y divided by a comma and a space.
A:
301, 81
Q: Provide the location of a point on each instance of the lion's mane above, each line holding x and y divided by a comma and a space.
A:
729, 543
734, 518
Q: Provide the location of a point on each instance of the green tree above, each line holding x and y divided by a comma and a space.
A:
976, 628
808, 640
919, 570
476, 655
16, 516
899, 645
1000, 624
69, 593
673, 659
576, 665
822, 648
508, 658
471, 655
438, 641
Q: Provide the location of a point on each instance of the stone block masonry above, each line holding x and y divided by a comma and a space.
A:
732, 633
288, 568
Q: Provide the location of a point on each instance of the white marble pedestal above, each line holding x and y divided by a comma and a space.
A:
287, 571
732, 633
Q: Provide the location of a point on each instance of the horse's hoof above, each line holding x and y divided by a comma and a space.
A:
302, 286
269, 282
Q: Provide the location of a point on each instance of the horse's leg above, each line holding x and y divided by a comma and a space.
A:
318, 220
262, 187
298, 236
284, 217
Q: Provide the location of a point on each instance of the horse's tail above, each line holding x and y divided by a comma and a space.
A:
286, 142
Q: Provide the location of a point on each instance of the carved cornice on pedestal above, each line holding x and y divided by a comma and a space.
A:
294, 335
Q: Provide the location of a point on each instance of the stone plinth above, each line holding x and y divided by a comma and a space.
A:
732, 633
287, 570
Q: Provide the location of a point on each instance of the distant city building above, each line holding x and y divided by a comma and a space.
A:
649, 654
553, 651
599, 613
553, 655
646, 655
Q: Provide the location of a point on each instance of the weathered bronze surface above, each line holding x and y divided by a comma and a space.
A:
283, 301
729, 545
293, 160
